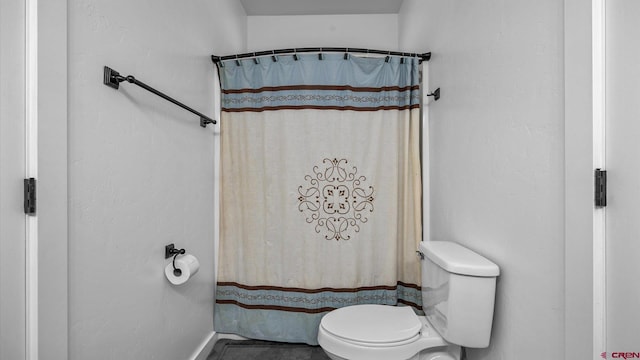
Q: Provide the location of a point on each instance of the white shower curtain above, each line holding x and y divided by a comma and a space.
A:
321, 191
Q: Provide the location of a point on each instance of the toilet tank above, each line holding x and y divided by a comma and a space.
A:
458, 292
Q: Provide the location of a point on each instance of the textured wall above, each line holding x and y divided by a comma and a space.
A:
579, 214
363, 31
141, 173
12, 168
497, 156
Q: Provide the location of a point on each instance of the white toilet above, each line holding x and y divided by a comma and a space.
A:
458, 293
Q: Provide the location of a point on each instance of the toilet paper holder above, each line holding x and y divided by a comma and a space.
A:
169, 251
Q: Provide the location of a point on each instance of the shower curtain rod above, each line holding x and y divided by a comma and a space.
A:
113, 79
217, 59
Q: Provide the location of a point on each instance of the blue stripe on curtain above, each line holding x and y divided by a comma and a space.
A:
315, 300
293, 315
320, 84
318, 99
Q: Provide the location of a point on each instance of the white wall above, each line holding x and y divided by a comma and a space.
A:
579, 215
52, 210
141, 173
497, 154
12, 169
378, 31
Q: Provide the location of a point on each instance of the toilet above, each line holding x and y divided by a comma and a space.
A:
458, 294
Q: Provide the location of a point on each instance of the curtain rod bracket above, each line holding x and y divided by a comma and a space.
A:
113, 79
435, 94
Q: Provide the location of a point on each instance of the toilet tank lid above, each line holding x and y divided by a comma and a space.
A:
457, 259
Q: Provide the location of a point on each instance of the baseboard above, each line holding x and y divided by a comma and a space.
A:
231, 336
209, 341
205, 347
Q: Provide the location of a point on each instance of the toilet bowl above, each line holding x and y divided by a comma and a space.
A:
377, 332
458, 293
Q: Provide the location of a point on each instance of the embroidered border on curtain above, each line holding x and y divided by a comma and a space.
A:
321, 191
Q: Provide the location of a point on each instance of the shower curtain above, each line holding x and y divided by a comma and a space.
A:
320, 193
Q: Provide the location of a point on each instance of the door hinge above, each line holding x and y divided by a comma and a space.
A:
600, 188
30, 196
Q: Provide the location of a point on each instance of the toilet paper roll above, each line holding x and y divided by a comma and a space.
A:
187, 264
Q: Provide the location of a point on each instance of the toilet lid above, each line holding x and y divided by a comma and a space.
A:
372, 323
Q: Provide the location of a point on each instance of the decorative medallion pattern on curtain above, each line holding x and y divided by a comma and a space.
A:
334, 199
321, 191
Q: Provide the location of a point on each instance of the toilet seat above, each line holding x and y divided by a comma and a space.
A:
376, 332
373, 325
